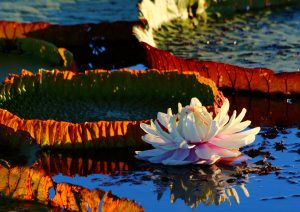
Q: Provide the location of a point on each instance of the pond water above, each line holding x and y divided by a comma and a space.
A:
68, 12
267, 39
199, 188
162, 188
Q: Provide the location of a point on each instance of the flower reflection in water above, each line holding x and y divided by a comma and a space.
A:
195, 185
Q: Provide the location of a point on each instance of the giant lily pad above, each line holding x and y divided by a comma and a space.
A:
228, 76
101, 108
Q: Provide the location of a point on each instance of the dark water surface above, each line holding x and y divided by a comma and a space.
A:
68, 11
163, 188
267, 39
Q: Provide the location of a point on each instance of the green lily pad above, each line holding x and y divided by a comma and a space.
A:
32, 54
101, 96
95, 108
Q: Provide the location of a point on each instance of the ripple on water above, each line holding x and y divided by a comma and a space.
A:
221, 187
267, 39
69, 12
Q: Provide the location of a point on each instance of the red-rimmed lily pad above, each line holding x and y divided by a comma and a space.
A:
161, 17
227, 76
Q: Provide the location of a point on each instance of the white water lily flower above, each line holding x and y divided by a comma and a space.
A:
194, 136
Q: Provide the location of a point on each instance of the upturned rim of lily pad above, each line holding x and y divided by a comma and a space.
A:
226, 76
62, 134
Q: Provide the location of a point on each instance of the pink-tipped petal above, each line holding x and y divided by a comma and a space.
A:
209, 151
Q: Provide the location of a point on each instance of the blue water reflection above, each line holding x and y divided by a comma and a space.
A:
214, 188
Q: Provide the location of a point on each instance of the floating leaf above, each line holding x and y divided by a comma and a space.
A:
227, 76
33, 53
93, 45
146, 87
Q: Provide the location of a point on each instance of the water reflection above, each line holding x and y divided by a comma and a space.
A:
267, 111
196, 185
83, 163
193, 184
117, 169
33, 185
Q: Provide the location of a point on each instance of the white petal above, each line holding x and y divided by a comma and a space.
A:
237, 127
149, 153
223, 112
160, 158
179, 107
177, 139
177, 158
223, 121
213, 130
149, 129
237, 140
202, 122
185, 145
190, 130
164, 135
232, 118
240, 116
233, 122
163, 119
169, 112
158, 142
195, 102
